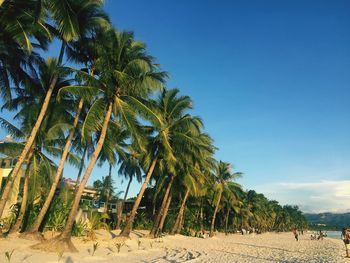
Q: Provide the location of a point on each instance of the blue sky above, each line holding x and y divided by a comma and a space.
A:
270, 79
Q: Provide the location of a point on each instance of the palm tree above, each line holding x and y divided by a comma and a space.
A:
33, 231
192, 181
170, 123
38, 162
125, 71
73, 18
222, 175
163, 208
106, 188
191, 158
29, 100
129, 167
231, 202
22, 27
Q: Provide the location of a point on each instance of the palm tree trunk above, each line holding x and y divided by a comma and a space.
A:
226, 220
182, 221
214, 215
201, 217
29, 142
35, 226
120, 213
164, 215
22, 210
127, 229
161, 210
108, 193
176, 228
63, 241
77, 181
67, 230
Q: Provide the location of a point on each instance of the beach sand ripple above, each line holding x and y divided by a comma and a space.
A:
269, 247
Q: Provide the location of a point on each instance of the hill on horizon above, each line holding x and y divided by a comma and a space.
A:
329, 219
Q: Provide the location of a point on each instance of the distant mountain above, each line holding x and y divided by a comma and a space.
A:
329, 219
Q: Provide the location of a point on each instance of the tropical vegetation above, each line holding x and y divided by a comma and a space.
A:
104, 100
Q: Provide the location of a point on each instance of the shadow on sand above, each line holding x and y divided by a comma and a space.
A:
275, 248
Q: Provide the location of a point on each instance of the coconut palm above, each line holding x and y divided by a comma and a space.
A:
72, 19
106, 188
191, 157
231, 202
222, 175
39, 163
22, 29
193, 176
129, 168
170, 123
125, 71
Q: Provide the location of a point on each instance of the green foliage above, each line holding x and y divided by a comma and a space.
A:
97, 221
10, 220
79, 229
148, 123
57, 215
142, 221
330, 220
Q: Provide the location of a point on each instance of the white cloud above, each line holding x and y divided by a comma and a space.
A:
321, 196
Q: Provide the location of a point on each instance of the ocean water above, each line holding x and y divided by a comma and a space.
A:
334, 234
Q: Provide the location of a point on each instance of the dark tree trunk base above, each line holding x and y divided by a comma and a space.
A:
32, 236
58, 244
124, 234
150, 236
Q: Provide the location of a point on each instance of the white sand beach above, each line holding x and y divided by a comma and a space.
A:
268, 247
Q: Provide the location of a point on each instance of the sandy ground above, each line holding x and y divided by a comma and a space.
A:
269, 247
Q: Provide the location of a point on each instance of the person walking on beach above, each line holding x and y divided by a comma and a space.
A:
296, 236
345, 235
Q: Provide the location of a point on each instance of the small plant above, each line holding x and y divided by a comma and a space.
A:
59, 256
151, 244
138, 244
80, 229
8, 255
119, 245
94, 248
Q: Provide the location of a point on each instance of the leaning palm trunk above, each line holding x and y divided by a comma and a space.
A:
226, 220
23, 207
176, 228
81, 167
63, 243
30, 140
214, 215
128, 227
165, 213
161, 210
120, 212
33, 230
201, 216
108, 192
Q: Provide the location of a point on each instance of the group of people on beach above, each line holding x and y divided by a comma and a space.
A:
318, 235
345, 236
